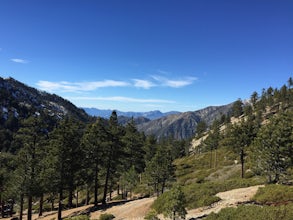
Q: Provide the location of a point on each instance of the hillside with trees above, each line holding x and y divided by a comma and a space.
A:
67, 162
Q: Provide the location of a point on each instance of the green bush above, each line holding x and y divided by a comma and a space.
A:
151, 215
248, 212
79, 217
106, 216
274, 194
159, 203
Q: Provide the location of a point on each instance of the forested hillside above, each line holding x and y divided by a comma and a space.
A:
59, 164
253, 146
19, 101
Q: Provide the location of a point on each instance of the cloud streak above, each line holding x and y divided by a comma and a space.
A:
145, 84
17, 60
156, 81
122, 99
163, 81
65, 86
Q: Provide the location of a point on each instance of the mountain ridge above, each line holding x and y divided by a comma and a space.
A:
18, 99
106, 113
183, 125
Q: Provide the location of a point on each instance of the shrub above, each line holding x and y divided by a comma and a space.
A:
106, 216
274, 194
248, 212
78, 217
152, 215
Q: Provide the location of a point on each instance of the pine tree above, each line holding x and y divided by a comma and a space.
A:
150, 147
254, 98
241, 136
113, 153
201, 128
95, 141
67, 155
237, 108
159, 169
7, 181
31, 136
175, 204
133, 145
212, 142
274, 147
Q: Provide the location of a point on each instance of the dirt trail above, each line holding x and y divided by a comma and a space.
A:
228, 199
137, 209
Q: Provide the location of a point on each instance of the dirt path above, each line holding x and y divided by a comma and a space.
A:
228, 199
137, 209
131, 210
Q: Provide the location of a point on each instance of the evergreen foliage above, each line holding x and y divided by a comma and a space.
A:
175, 205
273, 147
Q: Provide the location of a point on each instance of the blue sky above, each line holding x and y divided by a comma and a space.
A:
142, 55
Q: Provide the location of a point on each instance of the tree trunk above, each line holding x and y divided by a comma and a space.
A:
1, 203
41, 205
277, 178
87, 201
211, 159
96, 186
70, 196
76, 198
118, 189
29, 209
157, 189
60, 204
21, 207
106, 184
215, 158
52, 204
242, 163
163, 186
110, 199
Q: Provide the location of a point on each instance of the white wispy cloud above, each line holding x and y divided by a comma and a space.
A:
145, 84
17, 60
156, 81
174, 83
122, 99
65, 86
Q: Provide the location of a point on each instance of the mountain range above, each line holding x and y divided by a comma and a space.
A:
107, 113
19, 100
180, 125
183, 125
